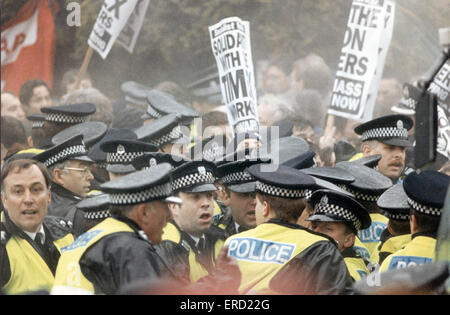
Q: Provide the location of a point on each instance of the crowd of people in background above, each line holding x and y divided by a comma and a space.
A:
126, 206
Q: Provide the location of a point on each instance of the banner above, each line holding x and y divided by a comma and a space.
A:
441, 87
230, 41
128, 37
363, 49
110, 21
28, 46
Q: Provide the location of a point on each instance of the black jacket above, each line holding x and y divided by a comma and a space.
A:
63, 202
319, 269
177, 254
122, 259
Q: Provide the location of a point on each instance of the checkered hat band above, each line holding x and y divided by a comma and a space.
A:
37, 124
358, 195
280, 192
309, 193
424, 209
167, 138
212, 153
238, 177
97, 215
331, 209
153, 193
409, 102
397, 216
122, 158
67, 152
387, 132
153, 113
192, 179
63, 118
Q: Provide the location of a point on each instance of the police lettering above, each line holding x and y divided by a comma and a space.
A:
400, 262
260, 250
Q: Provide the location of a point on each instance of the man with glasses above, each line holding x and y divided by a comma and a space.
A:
71, 176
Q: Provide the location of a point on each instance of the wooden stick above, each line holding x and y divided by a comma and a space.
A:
84, 66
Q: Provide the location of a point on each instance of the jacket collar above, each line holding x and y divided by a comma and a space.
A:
60, 190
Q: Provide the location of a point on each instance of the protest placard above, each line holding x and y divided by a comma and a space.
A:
441, 87
129, 34
385, 41
362, 50
112, 18
230, 41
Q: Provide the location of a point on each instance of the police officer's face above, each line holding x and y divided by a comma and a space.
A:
392, 159
158, 214
194, 215
336, 231
26, 197
77, 178
242, 207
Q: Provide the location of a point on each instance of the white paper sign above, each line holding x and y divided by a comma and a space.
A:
130, 32
362, 49
112, 18
230, 41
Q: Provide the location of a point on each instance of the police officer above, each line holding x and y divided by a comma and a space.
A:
238, 195
394, 203
387, 136
190, 242
166, 133
369, 184
279, 256
120, 250
95, 209
121, 152
161, 104
341, 217
71, 174
426, 193
30, 240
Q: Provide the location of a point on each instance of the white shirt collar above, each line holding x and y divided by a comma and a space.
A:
196, 239
33, 235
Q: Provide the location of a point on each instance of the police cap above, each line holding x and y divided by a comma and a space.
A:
369, 184
408, 102
37, 120
211, 148
135, 93
163, 104
71, 149
95, 208
332, 206
391, 129
236, 177
394, 203
69, 114
149, 160
140, 187
194, 176
98, 155
426, 191
120, 154
92, 132
302, 161
284, 182
162, 131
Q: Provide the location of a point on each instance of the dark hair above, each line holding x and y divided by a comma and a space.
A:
12, 132
283, 208
26, 90
120, 209
426, 223
400, 227
24, 164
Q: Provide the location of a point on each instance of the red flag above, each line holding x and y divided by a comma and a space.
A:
28, 45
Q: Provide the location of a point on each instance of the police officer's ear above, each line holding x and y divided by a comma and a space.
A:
367, 147
349, 240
